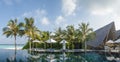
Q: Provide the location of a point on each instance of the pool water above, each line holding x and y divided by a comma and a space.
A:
7, 55
10, 46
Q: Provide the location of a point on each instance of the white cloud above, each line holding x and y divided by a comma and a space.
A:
26, 14
45, 21
116, 18
36, 13
101, 11
59, 20
39, 15
10, 2
105, 12
101, 7
68, 7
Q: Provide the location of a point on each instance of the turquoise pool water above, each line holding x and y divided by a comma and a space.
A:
10, 46
8, 55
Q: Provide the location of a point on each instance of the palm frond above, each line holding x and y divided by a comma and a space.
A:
8, 33
5, 29
21, 24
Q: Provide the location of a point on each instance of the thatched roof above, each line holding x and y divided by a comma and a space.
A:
107, 31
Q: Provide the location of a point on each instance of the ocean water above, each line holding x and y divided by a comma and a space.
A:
10, 46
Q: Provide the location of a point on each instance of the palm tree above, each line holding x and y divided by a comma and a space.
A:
44, 37
60, 34
71, 34
31, 30
13, 29
86, 33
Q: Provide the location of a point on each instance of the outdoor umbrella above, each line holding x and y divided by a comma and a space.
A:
110, 41
64, 44
51, 41
118, 42
36, 41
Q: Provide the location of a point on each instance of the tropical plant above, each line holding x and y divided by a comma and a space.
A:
86, 33
31, 31
13, 29
71, 34
60, 34
44, 37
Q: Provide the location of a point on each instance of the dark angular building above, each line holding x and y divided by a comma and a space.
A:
104, 34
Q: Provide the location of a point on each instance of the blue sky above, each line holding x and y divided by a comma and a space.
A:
50, 14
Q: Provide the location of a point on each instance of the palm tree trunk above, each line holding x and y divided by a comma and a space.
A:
72, 45
29, 44
15, 44
50, 45
68, 45
44, 45
85, 48
15, 49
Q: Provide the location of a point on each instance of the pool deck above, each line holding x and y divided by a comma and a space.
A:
73, 50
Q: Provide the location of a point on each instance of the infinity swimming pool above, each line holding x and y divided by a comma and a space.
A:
11, 46
8, 55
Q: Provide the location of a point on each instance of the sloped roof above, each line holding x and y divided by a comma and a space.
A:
118, 34
100, 35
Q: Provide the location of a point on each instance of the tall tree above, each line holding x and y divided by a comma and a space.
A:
71, 34
13, 29
31, 30
86, 33
44, 37
60, 34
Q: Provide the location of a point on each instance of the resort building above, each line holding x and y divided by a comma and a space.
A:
104, 34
